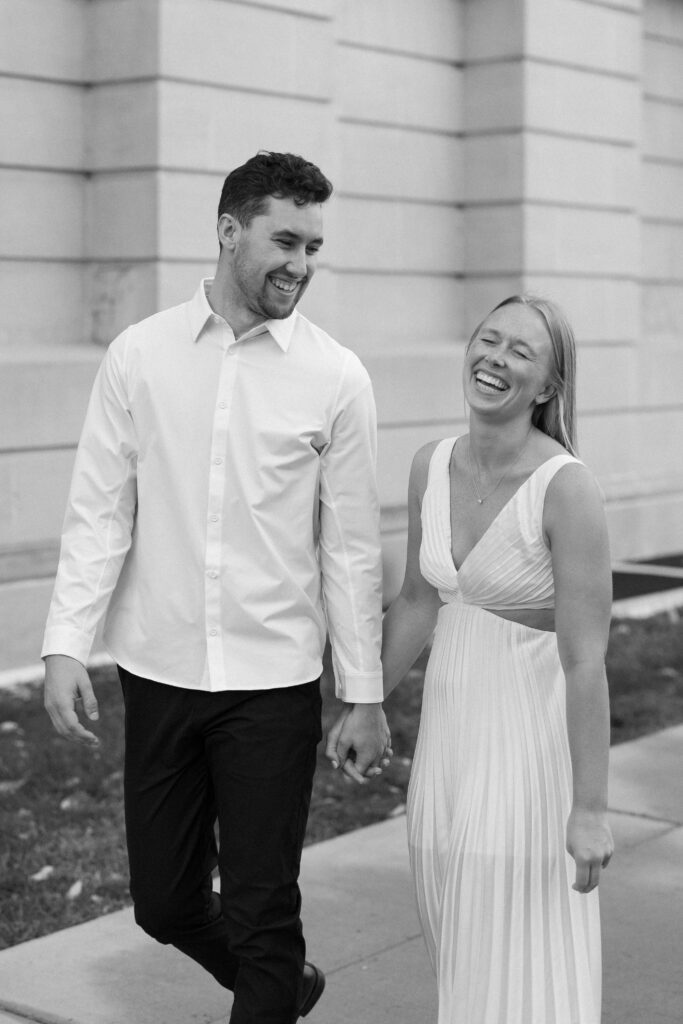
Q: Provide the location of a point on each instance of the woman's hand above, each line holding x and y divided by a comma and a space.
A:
590, 843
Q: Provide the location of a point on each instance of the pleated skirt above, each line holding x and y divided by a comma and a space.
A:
509, 939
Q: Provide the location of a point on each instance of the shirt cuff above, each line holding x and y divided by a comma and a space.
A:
359, 687
69, 641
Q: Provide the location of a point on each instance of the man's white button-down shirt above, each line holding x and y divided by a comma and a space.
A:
223, 509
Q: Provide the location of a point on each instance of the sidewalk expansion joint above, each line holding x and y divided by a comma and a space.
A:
25, 1013
375, 953
646, 817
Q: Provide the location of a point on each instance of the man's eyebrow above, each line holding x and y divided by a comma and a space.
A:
286, 233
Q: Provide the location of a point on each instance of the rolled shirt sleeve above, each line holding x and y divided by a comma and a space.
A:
100, 514
350, 549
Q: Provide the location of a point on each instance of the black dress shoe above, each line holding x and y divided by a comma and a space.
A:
311, 989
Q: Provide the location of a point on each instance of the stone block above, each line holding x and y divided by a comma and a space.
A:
41, 215
635, 452
43, 39
122, 216
662, 74
662, 250
663, 18
312, 8
23, 611
390, 162
43, 398
320, 304
122, 126
381, 311
245, 46
393, 89
494, 30
599, 308
584, 103
57, 319
494, 167
607, 377
661, 190
580, 171
418, 386
47, 124
211, 129
494, 239
642, 527
662, 312
493, 95
33, 490
662, 130
123, 40
187, 205
403, 237
397, 446
118, 294
560, 239
482, 292
431, 29
590, 35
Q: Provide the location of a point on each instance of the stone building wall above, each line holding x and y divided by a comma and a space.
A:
478, 147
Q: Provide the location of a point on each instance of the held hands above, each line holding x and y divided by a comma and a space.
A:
359, 742
589, 841
66, 684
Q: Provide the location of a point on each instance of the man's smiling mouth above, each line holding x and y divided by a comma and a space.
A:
283, 285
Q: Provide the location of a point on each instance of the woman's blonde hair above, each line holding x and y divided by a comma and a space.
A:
557, 416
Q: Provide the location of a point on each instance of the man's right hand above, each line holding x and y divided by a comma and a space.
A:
66, 683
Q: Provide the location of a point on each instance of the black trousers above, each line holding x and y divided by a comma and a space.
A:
246, 760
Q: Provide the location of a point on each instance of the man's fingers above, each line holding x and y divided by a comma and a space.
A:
350, 769
89, 699
67, 725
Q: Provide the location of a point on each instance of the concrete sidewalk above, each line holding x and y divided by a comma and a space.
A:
362, 929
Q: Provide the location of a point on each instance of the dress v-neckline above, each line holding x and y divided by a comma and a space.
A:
495, 519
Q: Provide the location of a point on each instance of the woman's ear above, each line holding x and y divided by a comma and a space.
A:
545, 395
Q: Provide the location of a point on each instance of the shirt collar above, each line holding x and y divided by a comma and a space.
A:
200, 311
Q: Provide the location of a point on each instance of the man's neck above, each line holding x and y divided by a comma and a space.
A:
241, 322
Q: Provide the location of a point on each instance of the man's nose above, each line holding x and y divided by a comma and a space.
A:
297, 264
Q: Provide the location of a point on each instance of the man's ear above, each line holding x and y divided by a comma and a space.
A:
229, 229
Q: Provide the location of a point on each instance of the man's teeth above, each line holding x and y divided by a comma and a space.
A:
492, 382
284, 286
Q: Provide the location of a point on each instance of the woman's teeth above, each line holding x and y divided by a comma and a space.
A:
489, 382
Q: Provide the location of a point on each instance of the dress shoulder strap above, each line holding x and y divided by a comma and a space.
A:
440, 459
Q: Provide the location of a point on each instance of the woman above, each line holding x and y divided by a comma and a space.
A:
508, 556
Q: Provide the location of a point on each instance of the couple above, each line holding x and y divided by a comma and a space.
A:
224, 511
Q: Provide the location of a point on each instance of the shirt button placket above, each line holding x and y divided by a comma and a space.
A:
212, 584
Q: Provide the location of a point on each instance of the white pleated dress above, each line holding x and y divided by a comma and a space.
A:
509, 939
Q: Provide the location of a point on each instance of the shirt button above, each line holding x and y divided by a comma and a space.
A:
214, 519
213, 632
212, 573
217, 461
222, 405
232, 351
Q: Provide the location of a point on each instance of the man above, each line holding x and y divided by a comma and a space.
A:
223, 496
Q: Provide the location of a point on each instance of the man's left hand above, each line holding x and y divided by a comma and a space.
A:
359, 742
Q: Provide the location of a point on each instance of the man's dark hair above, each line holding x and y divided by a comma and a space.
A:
281, 175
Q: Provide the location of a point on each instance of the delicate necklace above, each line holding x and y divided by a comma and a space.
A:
481, 498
